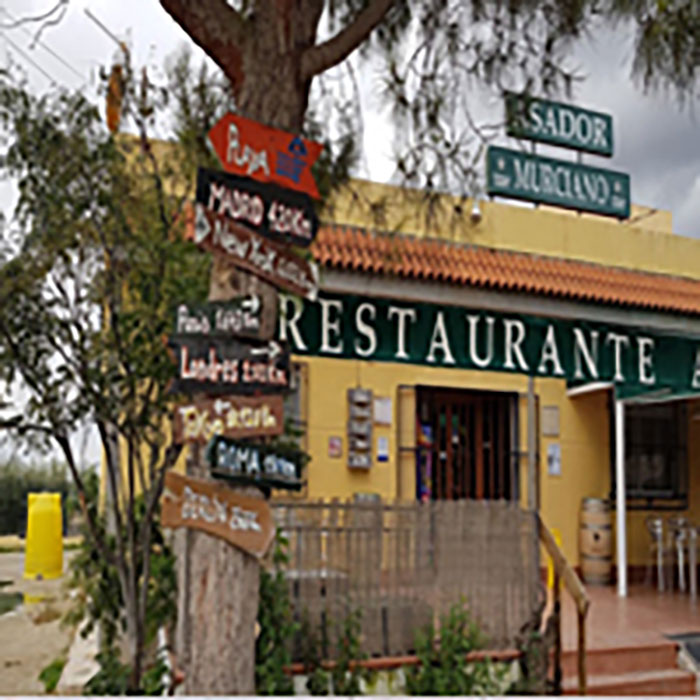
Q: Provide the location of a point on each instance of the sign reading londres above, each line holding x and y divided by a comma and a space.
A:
559, 182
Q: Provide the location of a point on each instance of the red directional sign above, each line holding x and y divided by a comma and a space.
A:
255, 150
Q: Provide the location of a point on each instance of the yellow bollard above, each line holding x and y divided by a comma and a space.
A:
550, 565
43, 557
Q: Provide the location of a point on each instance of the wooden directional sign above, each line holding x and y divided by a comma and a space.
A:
283, 215
231, 416
253, 463
249, 148
249, 251
222, 367
214, 508
242, 316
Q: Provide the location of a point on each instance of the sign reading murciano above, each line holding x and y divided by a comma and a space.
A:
449, 336
558, 182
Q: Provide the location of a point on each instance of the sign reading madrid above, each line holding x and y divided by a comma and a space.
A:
559, 182
255, 150
559, 124
269, 210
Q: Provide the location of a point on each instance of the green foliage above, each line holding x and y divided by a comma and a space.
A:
99, 599
111, 679
17, 480
347, 675
318, 679
443, 668
51, 674
277, 627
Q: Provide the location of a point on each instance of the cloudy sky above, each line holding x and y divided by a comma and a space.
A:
656, 142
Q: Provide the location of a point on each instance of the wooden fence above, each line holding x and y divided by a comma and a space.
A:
403, 565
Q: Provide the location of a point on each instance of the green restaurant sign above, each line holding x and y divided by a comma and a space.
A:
382, 330
558, 124
558, 182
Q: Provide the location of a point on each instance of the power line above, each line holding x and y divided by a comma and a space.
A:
56, 55
28, 58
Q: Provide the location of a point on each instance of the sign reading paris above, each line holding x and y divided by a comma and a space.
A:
558, 124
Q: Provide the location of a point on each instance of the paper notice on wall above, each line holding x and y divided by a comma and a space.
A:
382, 449
382, 410
554, 459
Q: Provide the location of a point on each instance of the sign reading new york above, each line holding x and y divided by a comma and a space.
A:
558, 182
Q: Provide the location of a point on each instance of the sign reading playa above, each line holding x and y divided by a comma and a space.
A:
562, 183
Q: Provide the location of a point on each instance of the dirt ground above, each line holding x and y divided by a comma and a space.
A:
31, 635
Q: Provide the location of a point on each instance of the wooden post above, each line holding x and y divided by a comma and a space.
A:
581, 652
531, 446
557, 632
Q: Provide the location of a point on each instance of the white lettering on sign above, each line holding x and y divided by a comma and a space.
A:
239, 460
243, 155
366, 330
198, 506
439, 341
191, 323
550, 353
513, 343
402, 315
645, 347
202, 423
589, 354
695, 383
331, 325
236, 204
618, 341
560, 122
288, 324
473, 321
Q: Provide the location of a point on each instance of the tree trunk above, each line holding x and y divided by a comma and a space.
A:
217, 608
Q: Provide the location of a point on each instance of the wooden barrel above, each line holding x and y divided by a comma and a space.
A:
595, 541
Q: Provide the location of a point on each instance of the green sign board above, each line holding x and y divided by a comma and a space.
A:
558, 182
436, 335
559, 124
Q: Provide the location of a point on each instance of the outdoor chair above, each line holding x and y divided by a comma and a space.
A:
657, 550
678, 534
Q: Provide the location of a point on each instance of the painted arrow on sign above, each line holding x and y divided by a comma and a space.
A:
255, 150
267, 209
249, 251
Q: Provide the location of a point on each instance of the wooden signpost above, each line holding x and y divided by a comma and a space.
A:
248, 226
242, 316
255, 464
255, 150
233, 417
267, 209
251, 252
229, 367
214, 508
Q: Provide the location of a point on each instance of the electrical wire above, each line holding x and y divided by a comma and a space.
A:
28, 58
47, 48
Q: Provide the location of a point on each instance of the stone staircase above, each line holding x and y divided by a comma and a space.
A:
643, 670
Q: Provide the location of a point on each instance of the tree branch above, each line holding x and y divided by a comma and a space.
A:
320, 58
217, 28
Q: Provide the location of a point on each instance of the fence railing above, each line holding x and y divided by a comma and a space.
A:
404, 564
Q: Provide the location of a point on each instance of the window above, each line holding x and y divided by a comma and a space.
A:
656, 456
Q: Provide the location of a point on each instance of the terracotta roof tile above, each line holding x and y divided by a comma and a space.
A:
347, 248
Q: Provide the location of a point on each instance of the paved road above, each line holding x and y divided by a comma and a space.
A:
29, 638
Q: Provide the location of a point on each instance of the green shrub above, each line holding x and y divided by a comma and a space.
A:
443, 668
51, 674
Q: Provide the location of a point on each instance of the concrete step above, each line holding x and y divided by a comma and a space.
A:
618, 660
654, 682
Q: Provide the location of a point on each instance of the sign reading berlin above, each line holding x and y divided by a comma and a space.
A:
559, 182
559, 124
249, 148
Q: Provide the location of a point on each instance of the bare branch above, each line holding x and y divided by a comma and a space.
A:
217, 28
320, 58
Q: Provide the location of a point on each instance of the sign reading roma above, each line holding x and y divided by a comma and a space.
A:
243, 521
252, 149
221, 367
233, 417
267, 466
249, 251
283, 215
